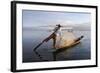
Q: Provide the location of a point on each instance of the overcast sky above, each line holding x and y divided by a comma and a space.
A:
33, 18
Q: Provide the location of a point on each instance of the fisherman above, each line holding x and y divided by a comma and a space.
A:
54, 35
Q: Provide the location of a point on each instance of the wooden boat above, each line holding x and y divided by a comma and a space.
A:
76, 42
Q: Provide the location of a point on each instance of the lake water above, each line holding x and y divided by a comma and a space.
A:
31, 38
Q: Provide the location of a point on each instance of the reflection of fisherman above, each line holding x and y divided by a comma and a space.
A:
53, 35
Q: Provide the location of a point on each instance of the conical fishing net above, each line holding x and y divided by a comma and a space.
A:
64, 39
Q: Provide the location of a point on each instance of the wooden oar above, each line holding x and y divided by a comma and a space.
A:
38, 45
45, 40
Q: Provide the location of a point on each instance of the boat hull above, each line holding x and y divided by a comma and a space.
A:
76, 42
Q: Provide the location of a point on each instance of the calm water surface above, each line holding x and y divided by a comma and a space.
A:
31, 38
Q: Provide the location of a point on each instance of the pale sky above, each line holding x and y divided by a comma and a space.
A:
33, 18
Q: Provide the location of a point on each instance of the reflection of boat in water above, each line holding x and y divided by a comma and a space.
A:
55, 52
